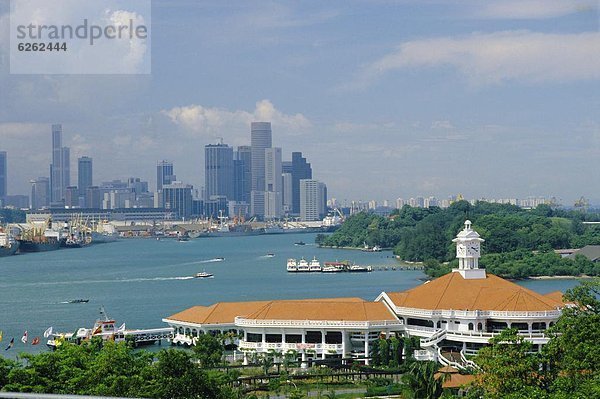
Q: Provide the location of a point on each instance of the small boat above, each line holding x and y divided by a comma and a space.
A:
270, 255
183, 239
203, 275
292, 266
78, 301
219, 259
300, 243
303, 265
314, 265
360, 269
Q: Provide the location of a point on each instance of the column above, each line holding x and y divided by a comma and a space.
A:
344, 344
367, 347
245, 358
323, 344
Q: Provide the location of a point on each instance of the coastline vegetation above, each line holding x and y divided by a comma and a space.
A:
519, 242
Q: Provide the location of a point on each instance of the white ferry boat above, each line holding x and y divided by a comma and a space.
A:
314, 265
106, 330
303, 266
292, 266
360, 269
331, 269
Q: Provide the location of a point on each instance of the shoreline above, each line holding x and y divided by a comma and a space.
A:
582, 276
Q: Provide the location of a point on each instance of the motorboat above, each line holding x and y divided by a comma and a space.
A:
203, 275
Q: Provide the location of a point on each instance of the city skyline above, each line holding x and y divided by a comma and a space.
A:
412, 93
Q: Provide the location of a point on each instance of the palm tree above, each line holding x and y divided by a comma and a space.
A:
420, 382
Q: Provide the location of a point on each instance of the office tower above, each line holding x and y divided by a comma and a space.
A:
3, 174
40, 193
313, 200
286, 167
93, 197
84, 175
164, 174
286, 189
273, 184
72, 197
300, 170
218, 171
244, 179
60, 170
260, 140
177, 197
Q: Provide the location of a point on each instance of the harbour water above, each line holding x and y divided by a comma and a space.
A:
140, 281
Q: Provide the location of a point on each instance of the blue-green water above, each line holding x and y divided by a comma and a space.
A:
141, 281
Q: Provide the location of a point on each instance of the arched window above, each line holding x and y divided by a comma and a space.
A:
194, 333
470, 326
479, 326
180, 330
439, 324
187, 331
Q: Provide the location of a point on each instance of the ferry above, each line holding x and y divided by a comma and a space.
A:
331, 269
359, 269
303, 266
292, 265
105, 329
314, 265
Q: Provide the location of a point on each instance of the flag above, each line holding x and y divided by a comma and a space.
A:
35, 341
48, 332
24, 337
10, 345
98, 330
121, 328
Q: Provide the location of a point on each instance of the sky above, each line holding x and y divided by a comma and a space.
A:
386, 99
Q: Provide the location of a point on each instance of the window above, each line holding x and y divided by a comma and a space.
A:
254, 337
470, 326
333, 337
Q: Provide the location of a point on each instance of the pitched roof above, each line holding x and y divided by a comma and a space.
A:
453, 292
355, 309
218, 313
592, 252
556, 295
317, 309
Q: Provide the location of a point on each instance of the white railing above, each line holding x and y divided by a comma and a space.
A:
468, 362
434, 339
447, 362
243, 322
423, 355
475, 314
288, 346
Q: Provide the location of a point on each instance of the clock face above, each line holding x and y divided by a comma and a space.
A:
461, 250
473, 249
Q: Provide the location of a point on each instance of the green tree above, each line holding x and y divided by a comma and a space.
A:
208, 350
509, 368
421, 383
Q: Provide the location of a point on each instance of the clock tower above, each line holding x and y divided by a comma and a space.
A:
468, 251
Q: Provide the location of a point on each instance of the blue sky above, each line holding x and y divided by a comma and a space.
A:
387, 99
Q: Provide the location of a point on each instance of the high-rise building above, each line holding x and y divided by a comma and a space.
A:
218, 171
72, 197
273, 184
286, 181
164, 174
313, 200
177, 196
40, 193
287, 167
300, 170
84, 175
260, 140
3, 175
60, 170
93, 197
243, 179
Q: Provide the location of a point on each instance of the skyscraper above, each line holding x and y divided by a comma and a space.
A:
244, 178
164, 174
84, 175
273, 183
218, 171
40, 193
60, 170
300, 170
313, 200
3, 174
260, 140
177, 196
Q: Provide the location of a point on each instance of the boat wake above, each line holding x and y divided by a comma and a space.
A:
211, 260
124, 280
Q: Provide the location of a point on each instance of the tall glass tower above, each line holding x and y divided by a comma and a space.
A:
260, 140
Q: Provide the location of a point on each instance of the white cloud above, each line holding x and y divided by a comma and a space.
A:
203, 121
497, 57
532, 9
442, 125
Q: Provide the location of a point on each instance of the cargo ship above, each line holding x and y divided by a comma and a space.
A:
8, 245
40, 239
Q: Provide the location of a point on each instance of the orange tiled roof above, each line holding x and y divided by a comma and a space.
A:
556, 295
317, 309
218, 313
350, 309
453, 292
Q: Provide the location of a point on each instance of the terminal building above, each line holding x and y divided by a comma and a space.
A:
454, 316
